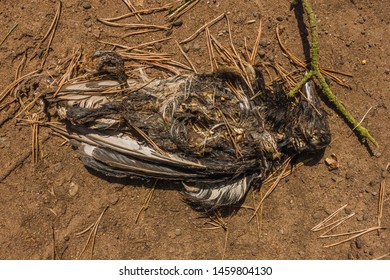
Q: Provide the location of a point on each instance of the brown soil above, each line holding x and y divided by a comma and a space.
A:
59, 195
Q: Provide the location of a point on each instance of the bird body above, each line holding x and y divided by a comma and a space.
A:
216, 133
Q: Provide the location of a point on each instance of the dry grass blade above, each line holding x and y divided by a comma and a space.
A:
272, 188
353, 237
145, 205
341, 234
8, 33
21, 66
92, 235
323, 224
203, 27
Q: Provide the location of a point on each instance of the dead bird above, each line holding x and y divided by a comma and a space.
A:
216, 133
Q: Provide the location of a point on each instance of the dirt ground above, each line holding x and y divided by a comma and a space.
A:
44, 207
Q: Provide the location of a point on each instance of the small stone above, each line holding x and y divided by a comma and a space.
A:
371, 252
347, 210
196, 47
364, 62
361, 20
113, 199
66, 238
359, 243
374, 193
387, 71
169, 32
349, 174
177, 23
350, 256
177, 232
185, 48
334, 178
262, 53
349, 43
263, 44
322, 184
73, 189
350, 164
4, 142
88, 23
157, 46
86, 5
279, 18
96, 33
58, 167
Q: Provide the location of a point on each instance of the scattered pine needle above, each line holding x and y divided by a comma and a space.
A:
92, 235
186, 57
256, 46
197, 32
146, 203
132, 9
323, 224
353, 237
8, 33
382, 257
381, 202
181, 9
272, 188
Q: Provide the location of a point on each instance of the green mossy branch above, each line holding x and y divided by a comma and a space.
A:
315, 71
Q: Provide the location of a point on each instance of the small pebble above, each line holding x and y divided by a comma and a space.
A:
66, 238
374, 193
58, 167
88, 23
86, 5
349, 174
350, 256
177, 232
387, 71
334, 178
359, 243
73, 189
113, 199
279, 18
364, 62
177, 23
347, 210
322, 184
262, 53
263, 44
4, 142
361, 20
169, 32
157, 46
348, 44
196, 47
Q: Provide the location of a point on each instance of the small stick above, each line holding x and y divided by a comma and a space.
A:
336, 223
182, 9
197, 32
8, 33
383, 256
341, 234
8, 89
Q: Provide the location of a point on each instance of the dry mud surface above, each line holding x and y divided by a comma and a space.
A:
60, 196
